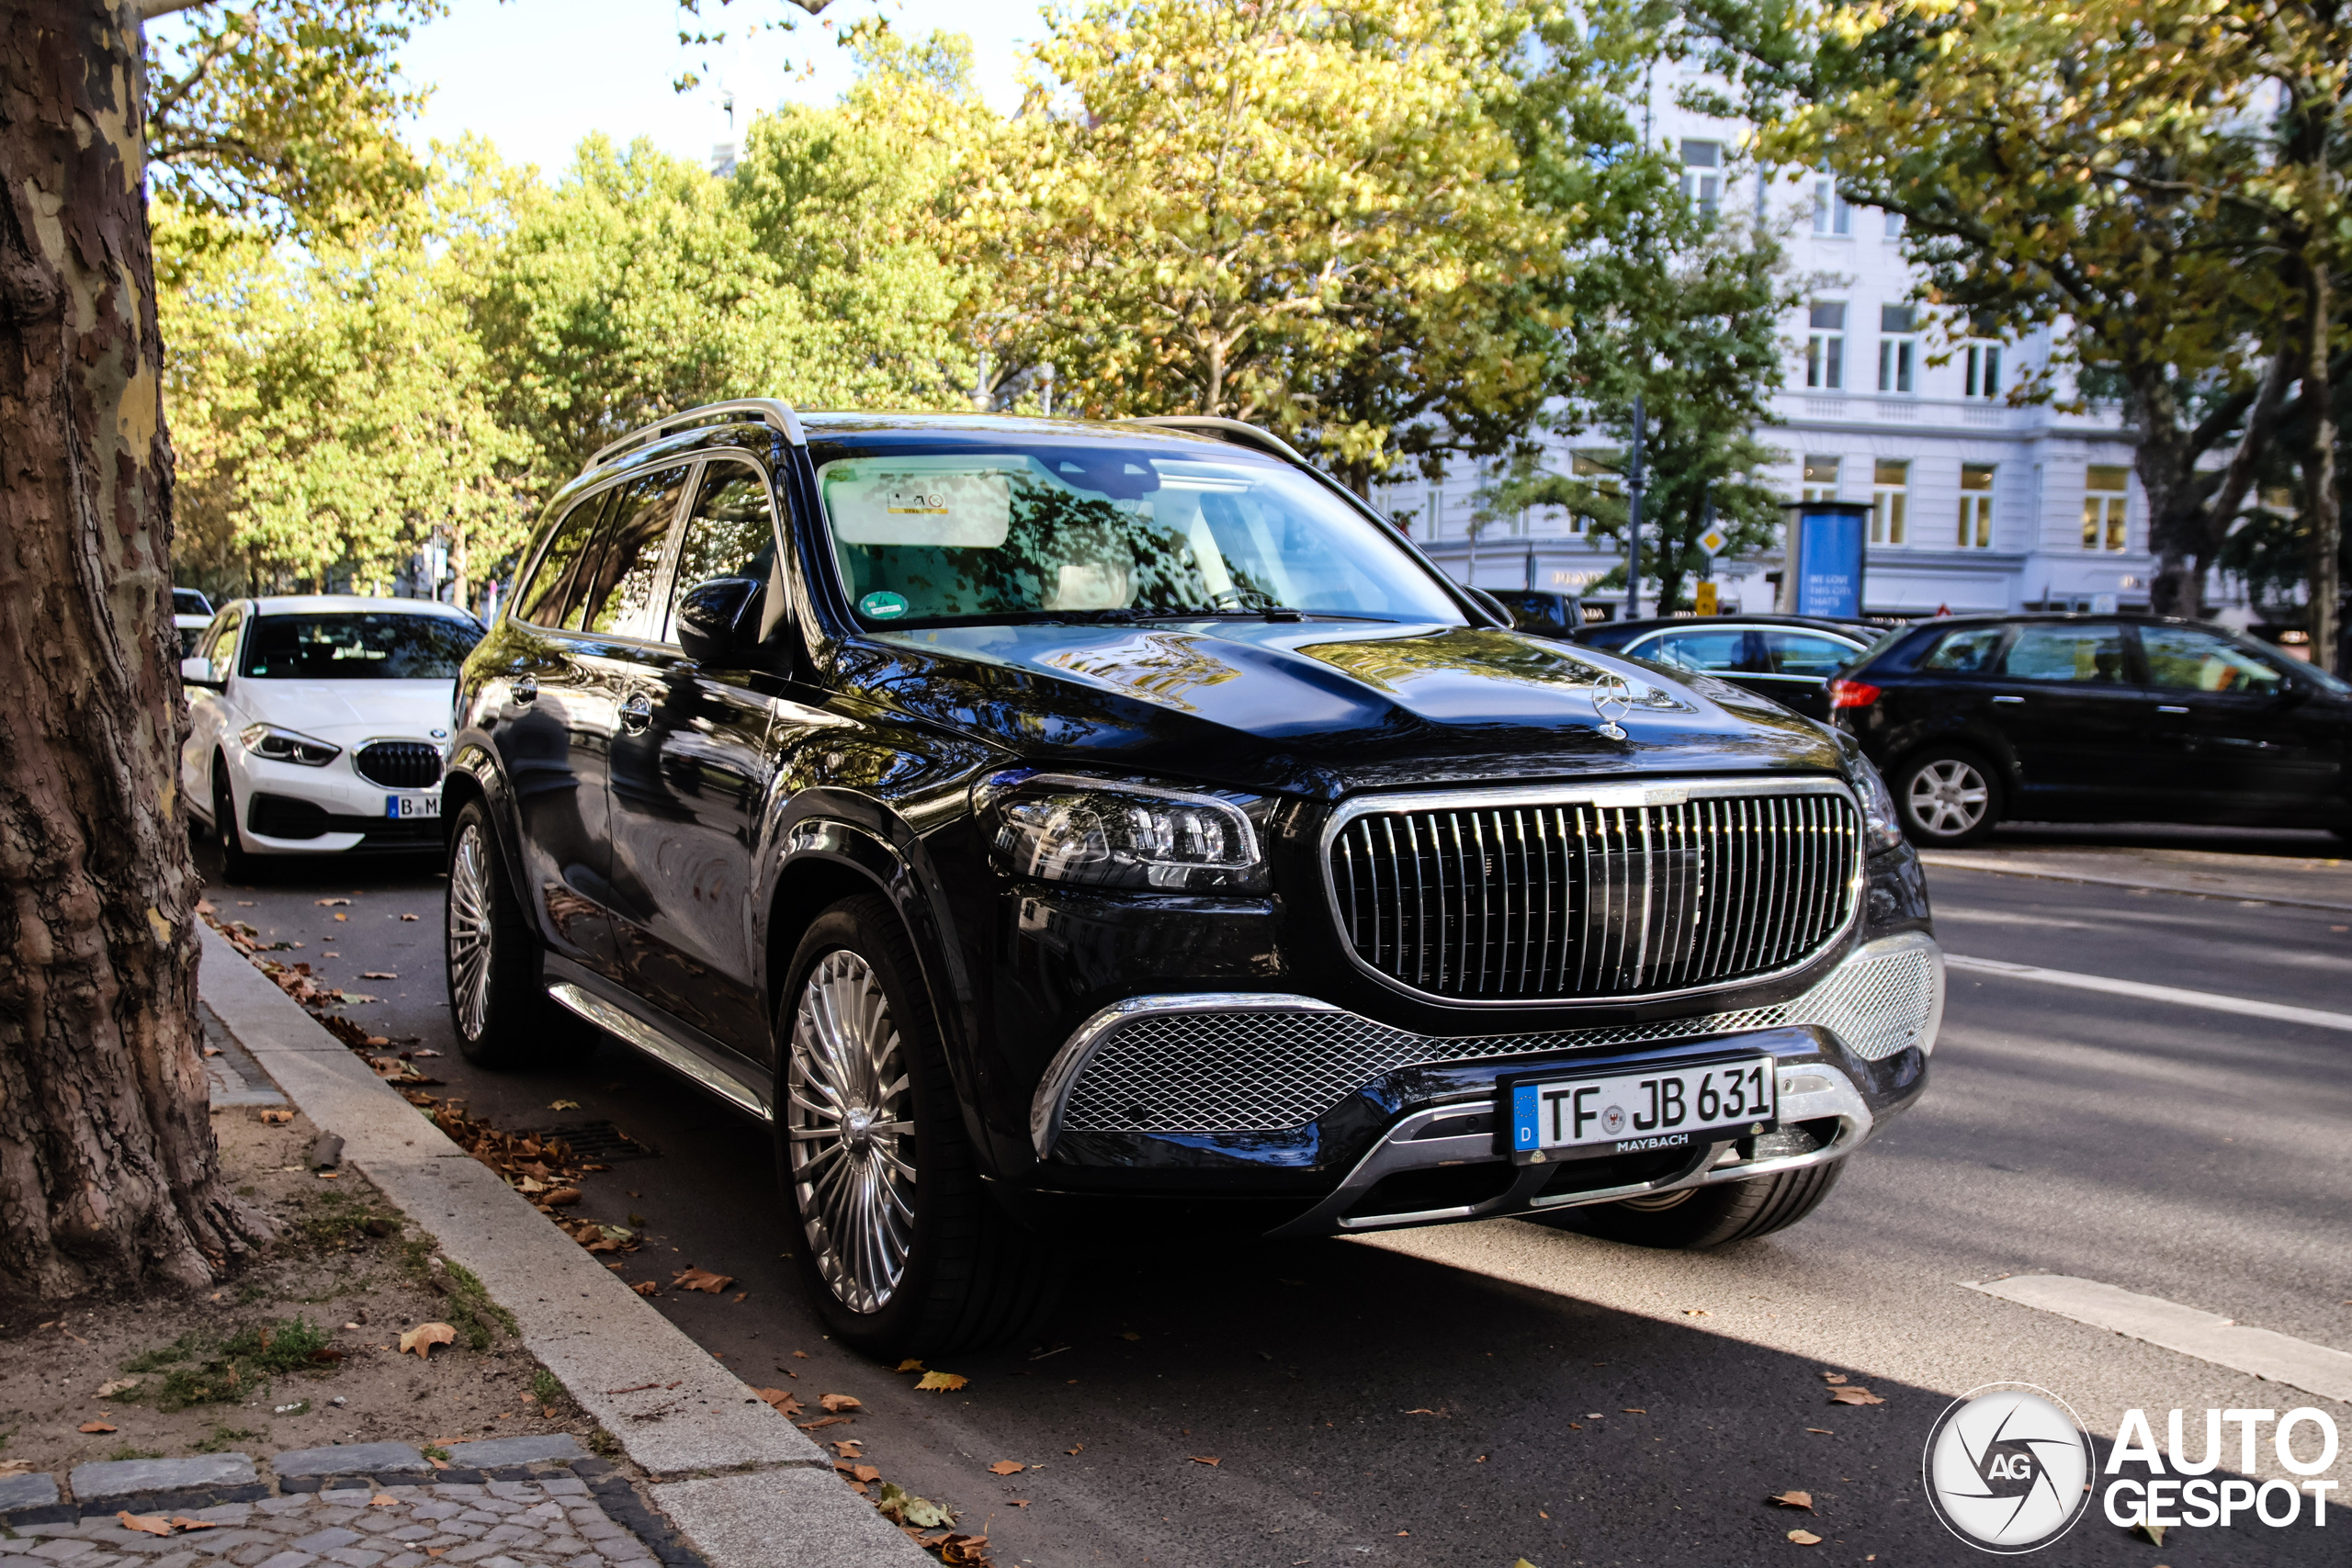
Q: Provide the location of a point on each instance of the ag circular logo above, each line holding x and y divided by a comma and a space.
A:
2006, 1466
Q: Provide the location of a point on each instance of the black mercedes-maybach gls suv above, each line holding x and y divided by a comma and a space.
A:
1051, 827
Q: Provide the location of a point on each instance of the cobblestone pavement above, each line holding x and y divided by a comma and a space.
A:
550, 1523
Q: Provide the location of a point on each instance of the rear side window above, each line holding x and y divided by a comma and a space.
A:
619, 601
1807, 654
1974, 651
728, 534
2182, 659
2082, 655
1714, 652
555, 587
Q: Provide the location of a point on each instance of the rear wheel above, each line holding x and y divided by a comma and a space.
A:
903, 1250
1947, 797
1695, 1218
498, 1005
237, 863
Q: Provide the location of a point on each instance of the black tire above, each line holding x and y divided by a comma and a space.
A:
237, 864
513, 1023
1696, 1218
968, 1274
1947, 797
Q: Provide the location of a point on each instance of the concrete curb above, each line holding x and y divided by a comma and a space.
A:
682, 1417
2056, 871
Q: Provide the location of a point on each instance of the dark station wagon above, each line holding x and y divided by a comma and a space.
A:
1053, 827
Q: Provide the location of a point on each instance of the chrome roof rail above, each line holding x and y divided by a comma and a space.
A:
1240, 433
774, 410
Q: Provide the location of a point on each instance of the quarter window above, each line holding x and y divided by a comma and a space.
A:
2185, 660
628, 561
554, 589
728, 534
1890, 490
1975, 506
2106, 490
2084, 654
1806, 654
1824, 347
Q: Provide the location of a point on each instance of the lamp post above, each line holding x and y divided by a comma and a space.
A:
1633, 518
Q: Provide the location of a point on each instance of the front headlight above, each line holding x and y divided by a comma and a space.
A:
286, 746
1882, 828
1105, 833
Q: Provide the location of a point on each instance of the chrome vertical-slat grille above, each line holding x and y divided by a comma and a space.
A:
1532, 901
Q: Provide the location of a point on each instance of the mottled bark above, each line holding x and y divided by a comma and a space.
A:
107, 1164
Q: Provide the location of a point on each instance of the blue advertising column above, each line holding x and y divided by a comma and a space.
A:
1824, 572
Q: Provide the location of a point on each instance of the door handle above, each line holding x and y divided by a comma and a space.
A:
2008, 699
2170, 707
524, 690
637, 712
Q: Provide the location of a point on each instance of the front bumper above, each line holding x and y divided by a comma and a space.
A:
1370, 1126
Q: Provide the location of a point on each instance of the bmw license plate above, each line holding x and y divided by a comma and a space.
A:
400, 807
1667, 1107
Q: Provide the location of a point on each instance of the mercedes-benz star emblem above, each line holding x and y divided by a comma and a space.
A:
1610, 691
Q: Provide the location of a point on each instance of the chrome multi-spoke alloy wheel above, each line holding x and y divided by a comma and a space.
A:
851, 1136
1947, 797
469, 931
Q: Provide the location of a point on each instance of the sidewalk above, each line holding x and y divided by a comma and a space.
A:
746, 1487
2311, 882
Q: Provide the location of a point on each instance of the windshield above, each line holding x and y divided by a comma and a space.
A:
362, 646
1080, 533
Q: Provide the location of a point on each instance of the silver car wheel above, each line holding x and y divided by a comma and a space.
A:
846, 1121
469, 931
1948, 798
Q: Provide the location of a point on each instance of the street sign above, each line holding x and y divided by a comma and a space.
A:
1705, 596
1713, 541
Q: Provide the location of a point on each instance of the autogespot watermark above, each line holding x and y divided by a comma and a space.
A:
2010, 1469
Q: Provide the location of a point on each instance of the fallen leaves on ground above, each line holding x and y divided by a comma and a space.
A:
864, 1474
1007, 1467
1204, 1458
1805, 1538
1423, 1410
941, 1383
1635, 1410
377, 975
113, 1386
1854, 1394
646, 1288
331, 903
822, 1422
1792, 1500
182, 1522
145, 1524
1696, 1311
408, 917
902, 1506
2153, 1534
383, 1500
849, 1448
835, 1404
908, 1365
1832, 1378
277, 1118
97, 1427
561, 1104
9, 1467
693, 1279
783, 1402
424, 1335
1824, 1431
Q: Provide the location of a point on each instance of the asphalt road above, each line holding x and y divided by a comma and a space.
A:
1480, 1394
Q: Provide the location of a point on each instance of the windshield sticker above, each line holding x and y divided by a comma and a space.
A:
965, 507
882, 606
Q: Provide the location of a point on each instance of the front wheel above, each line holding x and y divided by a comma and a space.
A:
236, 864
502, 1014
902, 1249
1948, 798
1692, 1219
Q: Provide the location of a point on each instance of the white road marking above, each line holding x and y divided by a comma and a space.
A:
2278, 1357
2213, 1001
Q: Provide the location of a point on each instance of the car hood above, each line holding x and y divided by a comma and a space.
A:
347, 711
1326, 707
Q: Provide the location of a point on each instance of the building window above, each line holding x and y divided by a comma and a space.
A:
1702, 175
1984, 370
1898, 347
1895, 225
1824, 347
2106, 487
1820, 479
1830, 213
1889, 485
1976, 506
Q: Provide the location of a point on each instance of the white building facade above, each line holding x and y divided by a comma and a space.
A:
1976, 505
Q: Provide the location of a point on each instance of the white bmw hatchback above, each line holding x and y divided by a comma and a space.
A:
319, 725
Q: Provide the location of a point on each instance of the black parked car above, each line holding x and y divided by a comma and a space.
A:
1787, 658
1059, 830
1975, 719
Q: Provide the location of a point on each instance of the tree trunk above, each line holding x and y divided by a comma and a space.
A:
2322, 517
107, 1164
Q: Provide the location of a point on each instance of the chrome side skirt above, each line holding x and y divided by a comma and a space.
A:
661, 1047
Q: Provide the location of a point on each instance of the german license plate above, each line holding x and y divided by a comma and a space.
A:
400, 807
1666, 1107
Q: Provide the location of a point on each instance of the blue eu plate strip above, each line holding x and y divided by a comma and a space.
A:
392, 806
1522, 1116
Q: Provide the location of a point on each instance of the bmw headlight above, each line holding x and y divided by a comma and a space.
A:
286, 746
1107, 833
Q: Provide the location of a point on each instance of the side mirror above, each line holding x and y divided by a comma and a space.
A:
198, 673
718, 622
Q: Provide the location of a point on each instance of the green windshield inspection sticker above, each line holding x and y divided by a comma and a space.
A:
882, 606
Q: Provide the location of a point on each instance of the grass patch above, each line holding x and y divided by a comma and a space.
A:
602, 1443
197, 1370
545, 1388
472, 1310
226, 1437
195, 1342
434, 1450
127, 1451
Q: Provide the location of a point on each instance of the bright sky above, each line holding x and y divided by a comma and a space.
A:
536, 76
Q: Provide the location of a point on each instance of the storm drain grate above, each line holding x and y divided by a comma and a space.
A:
597, 1141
